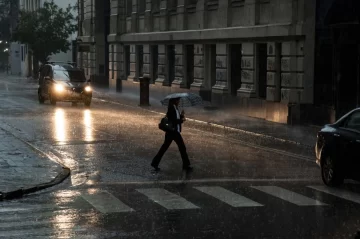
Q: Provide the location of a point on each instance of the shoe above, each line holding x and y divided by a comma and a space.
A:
156, 168
188, 169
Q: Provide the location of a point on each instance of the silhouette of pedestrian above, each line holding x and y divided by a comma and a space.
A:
176, 120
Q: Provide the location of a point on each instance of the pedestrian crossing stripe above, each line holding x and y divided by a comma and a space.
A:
167, 199
289, 196
341, 193
105, 202
228, 197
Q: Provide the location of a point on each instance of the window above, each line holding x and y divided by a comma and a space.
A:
75, 76
155, 5
128, 8
141, 7
172, 5
353, 121
212, 5
22, 53
237, 3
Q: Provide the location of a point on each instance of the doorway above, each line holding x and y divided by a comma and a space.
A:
189, 65
127, 61
171, 63
154, 63
235, 66
140, 60
262, 64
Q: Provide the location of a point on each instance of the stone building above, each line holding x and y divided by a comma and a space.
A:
255, 55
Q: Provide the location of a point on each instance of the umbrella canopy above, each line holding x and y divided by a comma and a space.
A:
186, 99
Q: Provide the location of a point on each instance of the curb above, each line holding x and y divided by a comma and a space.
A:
23, 191
65, 173
103, 99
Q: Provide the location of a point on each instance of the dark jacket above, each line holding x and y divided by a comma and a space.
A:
171, 115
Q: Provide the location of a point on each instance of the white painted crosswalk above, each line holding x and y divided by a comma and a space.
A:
112, 202
289, 196
341, 193
106, 202
228, 197
167, 199
45, 220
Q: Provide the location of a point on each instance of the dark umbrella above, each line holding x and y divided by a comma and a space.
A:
186, 99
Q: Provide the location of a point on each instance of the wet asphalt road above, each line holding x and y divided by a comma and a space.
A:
235, 191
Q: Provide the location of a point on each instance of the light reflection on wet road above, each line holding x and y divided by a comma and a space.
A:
112, 194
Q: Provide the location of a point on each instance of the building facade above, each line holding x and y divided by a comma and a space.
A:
255, 55
21, 60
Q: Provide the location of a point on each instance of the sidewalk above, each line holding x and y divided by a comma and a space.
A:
227, 117
23, 170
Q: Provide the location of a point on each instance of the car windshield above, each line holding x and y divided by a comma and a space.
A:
75, 76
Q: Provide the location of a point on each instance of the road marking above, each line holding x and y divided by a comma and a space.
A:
228, 197
205, 180
341, 193
167, 199
106, 202
289, 196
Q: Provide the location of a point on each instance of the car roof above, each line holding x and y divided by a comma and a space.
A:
346, 115
64, 67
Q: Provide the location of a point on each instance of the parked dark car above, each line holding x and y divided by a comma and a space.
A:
338, 149
63, 83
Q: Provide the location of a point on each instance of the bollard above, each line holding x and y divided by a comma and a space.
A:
144, 91
118, 85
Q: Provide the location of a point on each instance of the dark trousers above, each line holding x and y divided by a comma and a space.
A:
169, 137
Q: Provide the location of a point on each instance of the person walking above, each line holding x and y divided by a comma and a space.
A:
176, 120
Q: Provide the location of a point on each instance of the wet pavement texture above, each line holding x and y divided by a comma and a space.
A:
21, 166
239, 188
227, 115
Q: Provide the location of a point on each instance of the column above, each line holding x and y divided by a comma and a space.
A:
161, 65
198, 67
273, 72
134, 16
146, 60
132, 75
180, 18
148, 17
292, 72
221, 86
163, 16
247, 88
179, 67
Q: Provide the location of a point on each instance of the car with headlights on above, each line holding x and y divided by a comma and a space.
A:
338, 149
63, 83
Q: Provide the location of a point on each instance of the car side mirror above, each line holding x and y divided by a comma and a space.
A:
47, 78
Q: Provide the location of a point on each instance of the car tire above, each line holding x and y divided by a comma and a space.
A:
40, 97
52, 100
331, 173
87, 102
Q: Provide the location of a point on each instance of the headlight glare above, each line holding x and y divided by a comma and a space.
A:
88, 89
59, 88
